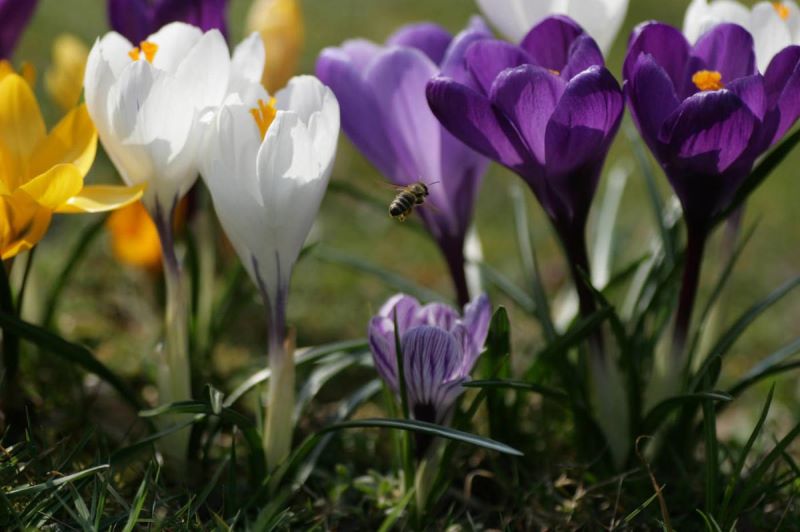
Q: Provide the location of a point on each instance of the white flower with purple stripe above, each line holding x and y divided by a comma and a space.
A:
439, 346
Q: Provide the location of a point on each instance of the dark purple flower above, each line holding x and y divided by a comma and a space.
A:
439, 350
547, 109
381, 90
136, 19
14, 17
705, 111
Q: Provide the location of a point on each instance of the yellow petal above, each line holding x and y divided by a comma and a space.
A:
21, 126
280, 23
101, 198
23, 223
73, 140
64, 78
134, 237
53, 188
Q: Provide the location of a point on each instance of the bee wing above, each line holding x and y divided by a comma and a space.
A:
431, 206
384, 184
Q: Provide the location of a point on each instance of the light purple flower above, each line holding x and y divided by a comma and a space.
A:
136, 19
439, 348
706, 135
14, 17
381, 89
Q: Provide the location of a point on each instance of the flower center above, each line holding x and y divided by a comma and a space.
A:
708, 80
148, 48
782, 10
264, 114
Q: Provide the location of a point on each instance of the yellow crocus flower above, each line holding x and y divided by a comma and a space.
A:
64, 79
41, 173
280, 24
134, 237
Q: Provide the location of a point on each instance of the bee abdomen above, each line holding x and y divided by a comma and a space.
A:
402, 204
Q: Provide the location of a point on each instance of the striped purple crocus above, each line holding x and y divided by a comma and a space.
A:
439, 349
136, 19
14, 17
381, 89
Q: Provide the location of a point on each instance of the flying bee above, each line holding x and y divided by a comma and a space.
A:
407, 198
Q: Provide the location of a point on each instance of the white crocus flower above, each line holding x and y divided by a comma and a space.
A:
774, 25
145, 101
267, 162
601, 19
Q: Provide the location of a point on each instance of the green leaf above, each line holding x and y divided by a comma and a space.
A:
759, 174
545, 391
389, 278
138, 503
772, 365
603, 247
55, 483
70, 352
397, 511
498, 340
663, 409
506, 286
728, 339
123, 455
325, 372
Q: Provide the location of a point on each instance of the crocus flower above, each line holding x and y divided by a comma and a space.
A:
42, 174
384, 113
547, 109
136, 19
280, 24
706, 115
64, 78
439, 348
773, 25
134, 237
514, 18
14, 17
267, 162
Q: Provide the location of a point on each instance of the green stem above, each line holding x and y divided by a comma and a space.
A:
10, 359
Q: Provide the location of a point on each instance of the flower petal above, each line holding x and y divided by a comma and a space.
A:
382, 344
727, 49
770, 33
665, 44
101, 198
175, 41
477, 317
782, 84
21, 126
206, 70
405, 308
23, 223
486, 58
431, 39
53, 188
583, 54
247, 64
73, 140
131, 18
454, 65
549, 42
431, 357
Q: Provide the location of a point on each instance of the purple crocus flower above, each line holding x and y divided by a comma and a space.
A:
707, 114
547, 109
14, 17
439, 350
381, 90
136, 19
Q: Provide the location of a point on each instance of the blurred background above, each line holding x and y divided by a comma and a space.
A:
115, 308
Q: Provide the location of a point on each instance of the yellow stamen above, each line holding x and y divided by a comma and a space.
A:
708, 80
554, 72
147, 47
782, 10
264, 114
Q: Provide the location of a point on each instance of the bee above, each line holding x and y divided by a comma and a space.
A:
407, 198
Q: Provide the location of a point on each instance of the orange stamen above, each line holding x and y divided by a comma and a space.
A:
782, 10
264, 114
708, 80
147, 47
133, 53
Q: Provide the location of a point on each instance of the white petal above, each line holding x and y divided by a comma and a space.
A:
601, 19
205, 70
115, 49
770, 33
794, 20
514, 18
694, 20
174, 42
248, 60
701, 17
303, 95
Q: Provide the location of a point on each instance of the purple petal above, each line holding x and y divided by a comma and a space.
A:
469, 116
361, 53
360, 112
665, 44
727, 49
14, 18
134, 19
431, 357
579, 136
527, 95
429, 38
399, 77
751, 91
382, 344
488, 57
454, 64
782, 84
205, 14
438, 315
549, 42
406, 309
652, 99
584, 53
476, 320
